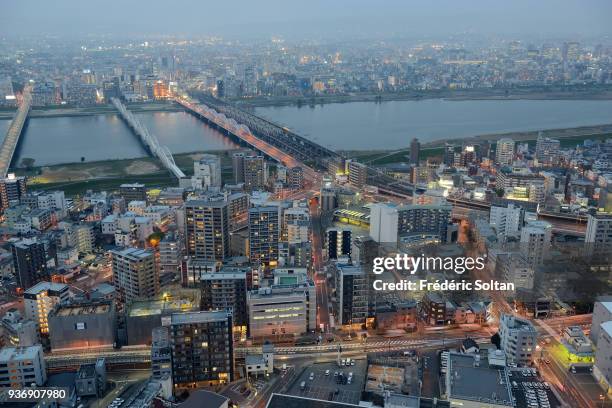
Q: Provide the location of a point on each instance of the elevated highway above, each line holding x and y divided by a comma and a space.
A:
150, 142
11, 140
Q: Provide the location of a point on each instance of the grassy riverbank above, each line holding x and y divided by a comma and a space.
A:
75, 178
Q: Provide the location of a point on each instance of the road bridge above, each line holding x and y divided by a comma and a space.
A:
150, 142
243, 134
7, 150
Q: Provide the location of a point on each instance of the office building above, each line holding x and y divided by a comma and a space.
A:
602, 312
507, 221
133, 192
415, 151
504, 151
161, 353
20, 367
598, 237
536, 242
351, 307
238, 167
208, 169
383, 223
207, 229
255, 173
29, 262
84, 325
518, 339
202, 349
12, 188
358, 174
338, 243
40, 299
226, 290
135, 273
286, 308
264, 235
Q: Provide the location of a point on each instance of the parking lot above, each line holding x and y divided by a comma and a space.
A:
324, 387
529, 391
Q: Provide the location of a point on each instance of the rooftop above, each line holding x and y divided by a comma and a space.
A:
43, 286
290, 401
20, 353
198, 317
80, 309
203, 398
473, 379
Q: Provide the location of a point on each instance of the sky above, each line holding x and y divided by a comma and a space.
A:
306, 18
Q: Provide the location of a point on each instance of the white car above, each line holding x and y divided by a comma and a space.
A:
326, 372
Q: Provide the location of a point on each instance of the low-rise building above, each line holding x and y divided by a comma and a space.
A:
21, 367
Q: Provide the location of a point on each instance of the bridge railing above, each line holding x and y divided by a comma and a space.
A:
14, 132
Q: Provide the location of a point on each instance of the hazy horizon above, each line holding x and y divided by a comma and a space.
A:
315, 18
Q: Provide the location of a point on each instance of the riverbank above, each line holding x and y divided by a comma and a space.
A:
62, 111
603, 92
75, 178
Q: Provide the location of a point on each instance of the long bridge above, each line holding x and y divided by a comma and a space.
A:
150, 142
7, 150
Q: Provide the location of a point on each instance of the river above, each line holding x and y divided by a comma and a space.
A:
105, 137
391, 125
349, 126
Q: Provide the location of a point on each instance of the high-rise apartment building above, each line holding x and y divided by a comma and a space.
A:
432, 219
29, 262
202, 349
135, 273
415, 151
518, 339
504, 151
207, 229
536, 241
226, 290
507, 221
358, 174
351, 295
255, 173
238, 167
547, 150
161, 353
264, 235
12, 188
208, 169
598, 237
338, 243
40, 299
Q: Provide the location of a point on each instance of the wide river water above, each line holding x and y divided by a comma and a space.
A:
391, 125
358, 125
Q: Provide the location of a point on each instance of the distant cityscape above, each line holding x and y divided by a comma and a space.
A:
243, 278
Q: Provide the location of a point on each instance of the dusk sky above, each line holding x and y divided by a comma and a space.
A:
324, 18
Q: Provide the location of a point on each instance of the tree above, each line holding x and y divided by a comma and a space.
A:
82, 159
499, 192
27, 162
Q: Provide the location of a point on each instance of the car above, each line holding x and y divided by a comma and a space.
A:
351, 374
349, 380
352, 362
335, 373
311, 376
326, 372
